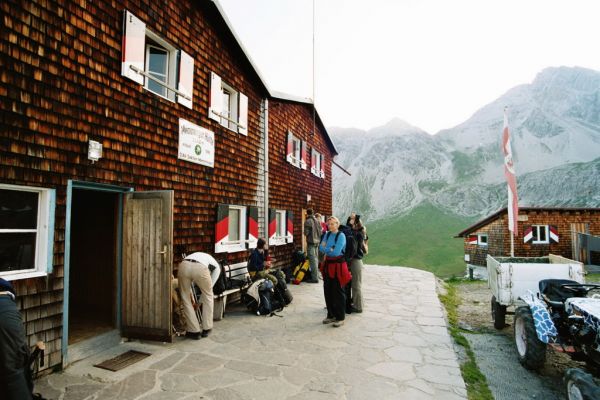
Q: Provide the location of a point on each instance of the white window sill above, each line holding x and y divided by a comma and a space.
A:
14, 276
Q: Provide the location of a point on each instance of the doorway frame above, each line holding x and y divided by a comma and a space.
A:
100, 187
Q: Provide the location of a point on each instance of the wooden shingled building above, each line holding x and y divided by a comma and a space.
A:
131, 129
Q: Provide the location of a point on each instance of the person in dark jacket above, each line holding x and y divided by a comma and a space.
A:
258, 264
356, 265
15, 378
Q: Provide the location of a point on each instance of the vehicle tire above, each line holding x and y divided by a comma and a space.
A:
530, 350
580, 385
498, 314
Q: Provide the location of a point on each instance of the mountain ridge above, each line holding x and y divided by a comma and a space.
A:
397, 166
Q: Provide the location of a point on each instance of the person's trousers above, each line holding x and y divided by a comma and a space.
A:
335, 298
199, 274
313, 260
15, 378
356, 268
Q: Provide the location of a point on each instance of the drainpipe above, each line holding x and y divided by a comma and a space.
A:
266, 176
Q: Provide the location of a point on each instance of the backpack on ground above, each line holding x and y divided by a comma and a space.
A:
281, 290
301, 272
221, 284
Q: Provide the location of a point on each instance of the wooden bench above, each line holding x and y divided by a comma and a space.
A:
229, 295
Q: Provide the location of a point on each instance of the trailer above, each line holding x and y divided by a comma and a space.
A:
509, 278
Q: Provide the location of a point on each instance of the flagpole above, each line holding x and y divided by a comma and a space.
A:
512, 244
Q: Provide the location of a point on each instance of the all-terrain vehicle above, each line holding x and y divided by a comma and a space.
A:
564, 318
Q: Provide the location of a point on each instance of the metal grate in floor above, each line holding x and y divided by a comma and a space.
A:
121, 361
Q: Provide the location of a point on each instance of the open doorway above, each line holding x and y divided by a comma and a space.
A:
93, 264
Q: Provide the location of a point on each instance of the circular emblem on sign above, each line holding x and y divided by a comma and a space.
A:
198, 149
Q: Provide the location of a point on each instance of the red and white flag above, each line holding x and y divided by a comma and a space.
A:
511, 179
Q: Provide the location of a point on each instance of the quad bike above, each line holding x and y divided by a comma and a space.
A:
564, 318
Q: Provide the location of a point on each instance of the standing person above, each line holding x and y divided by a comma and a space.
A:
194, 269
319, 218
15, 380
259, 263
312, 231
356, 265
335, 273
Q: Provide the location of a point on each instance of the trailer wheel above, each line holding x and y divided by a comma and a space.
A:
498, 314
580, 385
531, 350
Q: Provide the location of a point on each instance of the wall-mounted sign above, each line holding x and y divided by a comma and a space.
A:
196, 144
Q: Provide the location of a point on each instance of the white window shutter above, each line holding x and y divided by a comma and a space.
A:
215, 108
290, 148
322, 171
186, 78
303, 154
133, 47
243, 114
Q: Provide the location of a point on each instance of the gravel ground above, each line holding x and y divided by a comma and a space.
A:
496, 353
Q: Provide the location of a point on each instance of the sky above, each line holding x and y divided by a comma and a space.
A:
432, 63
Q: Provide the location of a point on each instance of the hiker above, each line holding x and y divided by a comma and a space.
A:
335, 273
15, 378
319, 218
194, 269
312, 231
356, 265
259, 263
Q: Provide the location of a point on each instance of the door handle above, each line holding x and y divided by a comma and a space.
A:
163, 253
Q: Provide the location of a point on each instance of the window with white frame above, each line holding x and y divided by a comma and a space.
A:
228, 106
151, 61
540, 234
482, 240
229, 113
315, 163
161, 66
294, 150
280, 224
25, 224
237, 228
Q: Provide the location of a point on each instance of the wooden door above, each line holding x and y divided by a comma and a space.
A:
147, 265
577, 253
304, 247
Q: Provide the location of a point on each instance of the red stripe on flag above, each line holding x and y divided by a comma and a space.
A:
509, 173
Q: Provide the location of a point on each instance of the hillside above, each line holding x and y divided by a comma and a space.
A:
422, 239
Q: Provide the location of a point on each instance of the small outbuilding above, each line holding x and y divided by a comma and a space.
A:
542, 231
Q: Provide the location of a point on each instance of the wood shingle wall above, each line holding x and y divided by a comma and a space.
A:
61, 86
289, 185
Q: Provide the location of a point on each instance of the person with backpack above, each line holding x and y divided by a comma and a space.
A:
312, 231
258, 265
335, 273
356, 265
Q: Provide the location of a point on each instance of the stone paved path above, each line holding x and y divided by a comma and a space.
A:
398, 348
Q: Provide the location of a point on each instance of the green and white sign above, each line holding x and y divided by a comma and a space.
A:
196, 144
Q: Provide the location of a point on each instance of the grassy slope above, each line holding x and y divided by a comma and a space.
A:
422, 239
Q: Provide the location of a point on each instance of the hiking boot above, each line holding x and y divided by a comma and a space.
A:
205, 332
337, 324
193, 335
313, 281
329, 320
356, 310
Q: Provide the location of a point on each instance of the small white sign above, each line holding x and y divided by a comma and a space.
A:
467, 257
196, 144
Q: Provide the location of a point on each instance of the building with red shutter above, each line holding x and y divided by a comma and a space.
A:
131, 131
542, 231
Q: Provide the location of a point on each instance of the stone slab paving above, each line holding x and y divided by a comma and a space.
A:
398, 348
